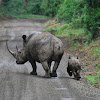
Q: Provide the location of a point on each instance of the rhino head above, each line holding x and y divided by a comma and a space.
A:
20, 55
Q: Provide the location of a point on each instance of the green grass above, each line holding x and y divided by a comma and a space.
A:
66, 30
49, 29
93, 79
95, 51
98, 67
23, 16
29, 16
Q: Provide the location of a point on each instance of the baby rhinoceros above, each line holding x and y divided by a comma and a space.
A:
74, 67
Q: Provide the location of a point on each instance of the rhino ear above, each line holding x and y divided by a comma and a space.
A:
76, 57
24, 37
24, 40
69, 57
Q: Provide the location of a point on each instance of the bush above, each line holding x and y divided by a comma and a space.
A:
92, 17
17, 7
34, 7
50, 7
70, 9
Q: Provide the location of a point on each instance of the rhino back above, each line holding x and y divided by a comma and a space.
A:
44, 46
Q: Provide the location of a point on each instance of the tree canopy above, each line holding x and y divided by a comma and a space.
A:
86, 13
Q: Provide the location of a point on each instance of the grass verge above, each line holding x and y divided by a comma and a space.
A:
93, 79
5, 16
29, 16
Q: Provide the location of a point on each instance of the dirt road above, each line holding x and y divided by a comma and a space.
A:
17, 84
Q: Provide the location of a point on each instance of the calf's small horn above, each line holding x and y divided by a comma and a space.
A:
17, 48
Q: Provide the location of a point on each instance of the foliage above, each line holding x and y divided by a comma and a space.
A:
96, 77
77, 13
28, 16
66, 29
11, 7
50, 7
97, 65
93, 17
70, 9
34, 7
17, 7
93, 79
49, 29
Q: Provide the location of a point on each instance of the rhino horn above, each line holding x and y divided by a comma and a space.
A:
12, 53
17, 48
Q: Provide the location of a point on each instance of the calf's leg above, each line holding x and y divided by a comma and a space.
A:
69, 71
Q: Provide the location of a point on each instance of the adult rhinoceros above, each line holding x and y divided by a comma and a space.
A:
43, 48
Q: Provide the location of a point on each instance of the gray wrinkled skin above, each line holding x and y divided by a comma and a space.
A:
43, 48
74, 67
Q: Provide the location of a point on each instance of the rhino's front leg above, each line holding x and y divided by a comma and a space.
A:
69, 71
34, 68
47, 69
77, 75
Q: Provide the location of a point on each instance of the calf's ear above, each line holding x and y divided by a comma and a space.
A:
24, 37
69, 57
77, 57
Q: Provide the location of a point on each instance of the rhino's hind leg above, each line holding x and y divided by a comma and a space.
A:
54, 73
34, 68
33, 73
47, 69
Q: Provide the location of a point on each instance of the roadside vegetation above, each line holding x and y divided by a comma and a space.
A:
80, 44
79, 20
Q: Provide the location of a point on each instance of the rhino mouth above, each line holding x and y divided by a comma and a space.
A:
20, 62
77, 78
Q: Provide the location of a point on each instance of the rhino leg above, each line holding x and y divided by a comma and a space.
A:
69, 71
47, 69
77, 74
54, 73
34, 68
49, 64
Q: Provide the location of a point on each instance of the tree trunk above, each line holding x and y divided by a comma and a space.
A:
0, 2
25, 2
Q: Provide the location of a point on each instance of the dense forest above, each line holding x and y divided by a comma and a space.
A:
83, 13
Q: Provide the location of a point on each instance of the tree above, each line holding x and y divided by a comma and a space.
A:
0, 2
93, 17
25, 2
50, 7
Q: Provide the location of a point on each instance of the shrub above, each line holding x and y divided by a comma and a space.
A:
70, 9
92, 17
17, 7
50, 7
